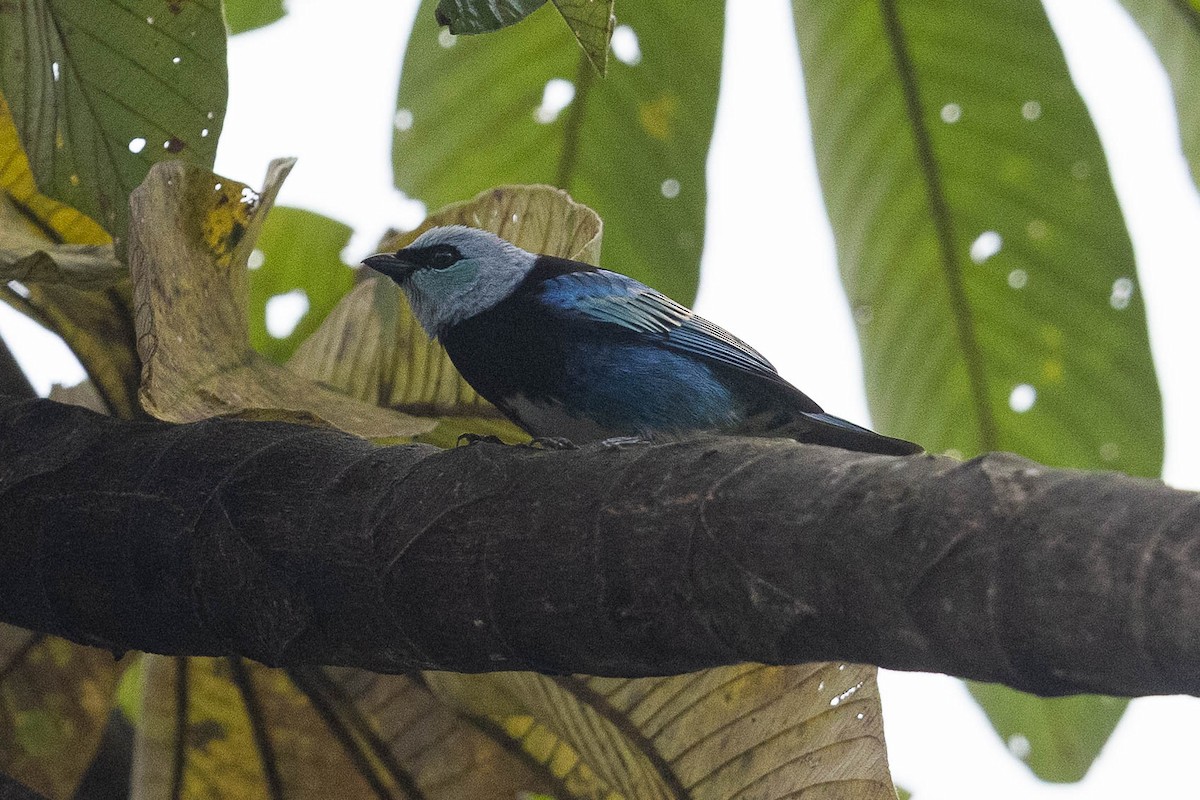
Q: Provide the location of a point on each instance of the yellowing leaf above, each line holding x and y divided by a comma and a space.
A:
42, 239
245, 729
372, 347
55, 697
342, 733
744, 731
190, 238
17, 179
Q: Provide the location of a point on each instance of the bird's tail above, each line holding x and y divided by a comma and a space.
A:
834, 431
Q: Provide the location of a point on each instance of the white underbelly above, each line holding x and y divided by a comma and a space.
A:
551, 418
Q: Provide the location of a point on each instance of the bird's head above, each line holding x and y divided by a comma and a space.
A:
454, 272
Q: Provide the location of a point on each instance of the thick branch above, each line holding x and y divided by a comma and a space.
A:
296, 545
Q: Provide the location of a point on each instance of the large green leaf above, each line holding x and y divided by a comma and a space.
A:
1173, 27
632, 146
983, 253
102, 89
298, 251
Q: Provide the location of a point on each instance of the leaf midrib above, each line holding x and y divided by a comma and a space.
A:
964, 323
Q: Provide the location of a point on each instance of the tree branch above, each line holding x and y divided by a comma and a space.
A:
295, 545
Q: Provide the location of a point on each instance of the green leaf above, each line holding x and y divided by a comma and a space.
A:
1174, 30
1058, 738
246, 15
100, 90
191, 237
982, 247
298, 251
632, 146
482, 16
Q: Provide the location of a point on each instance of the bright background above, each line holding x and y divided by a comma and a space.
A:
321, 83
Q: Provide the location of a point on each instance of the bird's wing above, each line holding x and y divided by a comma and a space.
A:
608, 297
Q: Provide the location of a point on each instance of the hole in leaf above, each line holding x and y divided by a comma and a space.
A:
625, 45
1122, 293
557, 95
1022, 398
284, 312
986, 245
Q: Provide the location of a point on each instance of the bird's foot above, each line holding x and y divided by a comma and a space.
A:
621, 442
476, 438
552, 443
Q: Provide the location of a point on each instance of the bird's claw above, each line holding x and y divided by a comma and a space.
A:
552, 443
476, 438
621, 442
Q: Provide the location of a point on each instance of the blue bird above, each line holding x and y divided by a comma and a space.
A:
568, 350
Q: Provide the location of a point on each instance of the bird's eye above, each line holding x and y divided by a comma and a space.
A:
443, 257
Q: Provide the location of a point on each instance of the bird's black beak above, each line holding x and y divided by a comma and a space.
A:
390, 264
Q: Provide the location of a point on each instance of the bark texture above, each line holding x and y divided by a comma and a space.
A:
297, 545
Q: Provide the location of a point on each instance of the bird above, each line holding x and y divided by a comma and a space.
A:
573, 352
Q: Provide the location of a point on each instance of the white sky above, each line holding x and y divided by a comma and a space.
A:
321, 85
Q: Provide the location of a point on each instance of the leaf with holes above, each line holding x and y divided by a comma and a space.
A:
103, 89
1173, 28
298, 258
189, 246
523, 105
372, 347
55, 697
982, 249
